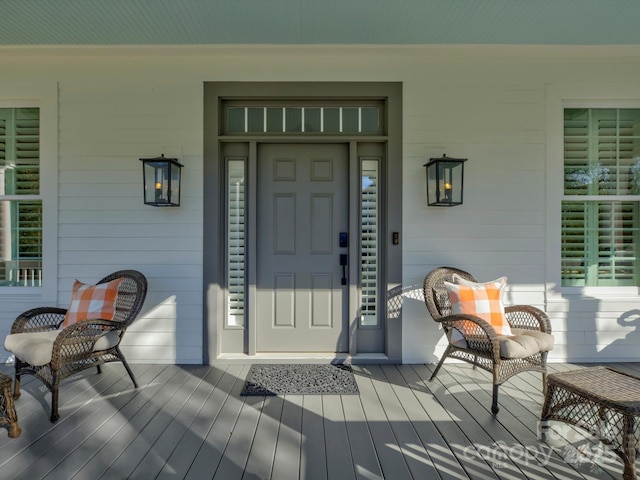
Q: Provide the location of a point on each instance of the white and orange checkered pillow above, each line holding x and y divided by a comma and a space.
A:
92, 301
483, 300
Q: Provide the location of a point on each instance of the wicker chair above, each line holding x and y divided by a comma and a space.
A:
478, 342
78, 346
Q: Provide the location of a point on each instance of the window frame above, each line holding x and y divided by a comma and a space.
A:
43, 96
595, 203
559, 98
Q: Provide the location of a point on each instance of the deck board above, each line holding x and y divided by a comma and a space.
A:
365, 458
207, 460
262, 454
313, 461
517, 424
159, 410
42, 455
124, 427
286, 464
240, 442
196, 426
79, 443
442, 458
179, 414
190, 422
339, 460
479, 425
414, 452
392, 461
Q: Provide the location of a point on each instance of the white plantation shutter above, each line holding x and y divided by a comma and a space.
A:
27, 152
235, 242
576, 153
600, 234
617, 149
599, 243
617, 240
574, 245
20, 151
370, 228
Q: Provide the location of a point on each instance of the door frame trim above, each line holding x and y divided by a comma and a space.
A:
213, 195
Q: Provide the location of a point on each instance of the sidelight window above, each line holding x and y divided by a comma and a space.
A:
236, 267
369, 238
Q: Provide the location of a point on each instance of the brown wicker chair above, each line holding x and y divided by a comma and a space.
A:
81, 345
482, 347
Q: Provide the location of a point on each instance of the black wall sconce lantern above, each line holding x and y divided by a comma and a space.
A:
445, 181
161, 178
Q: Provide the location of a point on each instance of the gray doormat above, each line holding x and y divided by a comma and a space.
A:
300, 379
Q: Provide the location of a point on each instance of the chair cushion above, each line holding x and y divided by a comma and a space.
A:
33, 348
92, 301
483, 300
524, 343
36, 348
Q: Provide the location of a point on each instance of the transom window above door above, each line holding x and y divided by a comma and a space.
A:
302, 118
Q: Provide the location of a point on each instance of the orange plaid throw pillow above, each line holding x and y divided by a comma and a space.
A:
92, 301
483, 300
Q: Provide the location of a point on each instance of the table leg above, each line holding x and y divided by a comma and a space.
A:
11, 417
629, 448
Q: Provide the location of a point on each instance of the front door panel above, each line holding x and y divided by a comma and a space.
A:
302, 208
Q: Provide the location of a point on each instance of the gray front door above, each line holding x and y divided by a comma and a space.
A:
302, 209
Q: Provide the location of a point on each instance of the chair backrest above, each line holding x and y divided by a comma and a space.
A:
435, 293
131, 294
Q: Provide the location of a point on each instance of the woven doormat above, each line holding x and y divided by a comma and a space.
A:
300, 379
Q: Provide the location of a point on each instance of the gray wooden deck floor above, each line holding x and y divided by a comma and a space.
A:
189, 422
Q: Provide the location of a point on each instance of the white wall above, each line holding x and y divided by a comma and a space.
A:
487, 104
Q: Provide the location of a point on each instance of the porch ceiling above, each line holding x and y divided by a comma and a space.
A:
384, 22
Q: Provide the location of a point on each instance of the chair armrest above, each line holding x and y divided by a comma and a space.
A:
39, 320
76, 342
527, 317
479, 335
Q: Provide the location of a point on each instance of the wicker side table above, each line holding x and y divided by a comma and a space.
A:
602, 401
7, 409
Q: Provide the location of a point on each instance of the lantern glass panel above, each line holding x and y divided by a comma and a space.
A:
452, 183
432, 185
174, 191
153, 183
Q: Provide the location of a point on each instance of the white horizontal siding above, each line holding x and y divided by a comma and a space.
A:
487, 105
108, 119
500, 230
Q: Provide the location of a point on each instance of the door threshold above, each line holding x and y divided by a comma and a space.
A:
304, 357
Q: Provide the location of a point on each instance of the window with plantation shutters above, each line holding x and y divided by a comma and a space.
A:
600, 204
369, 233
20, 202
235, 242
